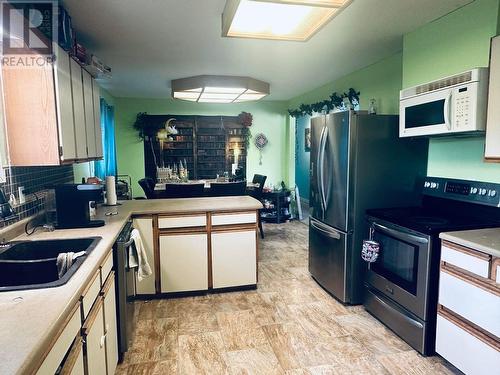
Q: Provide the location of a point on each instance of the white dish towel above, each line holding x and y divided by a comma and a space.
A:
144, 269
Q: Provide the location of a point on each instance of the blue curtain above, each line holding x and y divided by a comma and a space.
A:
107, 166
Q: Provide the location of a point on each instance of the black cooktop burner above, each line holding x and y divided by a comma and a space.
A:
436, 218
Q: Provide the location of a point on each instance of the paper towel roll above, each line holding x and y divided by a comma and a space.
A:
110, 191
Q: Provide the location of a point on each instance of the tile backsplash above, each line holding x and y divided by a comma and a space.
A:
36, 181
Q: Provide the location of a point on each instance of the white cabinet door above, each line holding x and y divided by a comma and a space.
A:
492, 149
234, 258
110, 327
95, 340
184, 262
96, 98
465, 351
145, 227
74, 365
88, 102
64, 102
62, 344
78, 110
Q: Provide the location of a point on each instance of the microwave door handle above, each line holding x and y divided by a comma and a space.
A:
447, 111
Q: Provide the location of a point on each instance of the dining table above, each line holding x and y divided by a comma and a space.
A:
161, 186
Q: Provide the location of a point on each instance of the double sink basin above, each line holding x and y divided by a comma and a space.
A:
33, 264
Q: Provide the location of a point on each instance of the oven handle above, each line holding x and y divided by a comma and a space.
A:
398, 233
128, 243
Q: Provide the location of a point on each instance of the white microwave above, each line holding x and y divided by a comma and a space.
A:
454, 105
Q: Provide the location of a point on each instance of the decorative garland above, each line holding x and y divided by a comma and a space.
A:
335, 101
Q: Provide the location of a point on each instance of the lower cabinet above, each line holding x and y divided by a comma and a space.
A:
468, 324
74, 364
234, 258
91, 349
145, 227
184, 262
95, 340
64, 341
110, 326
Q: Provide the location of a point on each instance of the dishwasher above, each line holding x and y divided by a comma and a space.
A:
125, 289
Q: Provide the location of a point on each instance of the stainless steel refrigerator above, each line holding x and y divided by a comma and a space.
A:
358, 162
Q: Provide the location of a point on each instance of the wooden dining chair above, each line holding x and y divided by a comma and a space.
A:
221, 189
183, 190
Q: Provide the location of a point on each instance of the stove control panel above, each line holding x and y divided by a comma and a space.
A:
468, 191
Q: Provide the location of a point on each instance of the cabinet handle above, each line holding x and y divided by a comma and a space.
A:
103, 340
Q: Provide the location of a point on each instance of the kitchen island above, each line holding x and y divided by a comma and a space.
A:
32, 321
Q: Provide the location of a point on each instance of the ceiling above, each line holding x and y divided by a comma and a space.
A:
147, 43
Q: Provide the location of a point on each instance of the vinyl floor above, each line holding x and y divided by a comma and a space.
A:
288, 326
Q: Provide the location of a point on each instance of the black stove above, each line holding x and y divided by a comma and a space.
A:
448, 205
402, 281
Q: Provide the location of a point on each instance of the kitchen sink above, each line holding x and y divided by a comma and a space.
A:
32, 264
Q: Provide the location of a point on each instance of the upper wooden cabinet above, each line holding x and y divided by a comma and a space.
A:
492, 149
50, 115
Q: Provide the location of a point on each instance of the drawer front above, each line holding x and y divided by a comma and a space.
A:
106, 268
238, 218
469, 260
62, 345
90, 295
495, 270
182, 221
463, 298
463, 350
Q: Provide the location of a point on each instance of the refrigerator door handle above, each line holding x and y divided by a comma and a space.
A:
324, 136
329, 232
319, 172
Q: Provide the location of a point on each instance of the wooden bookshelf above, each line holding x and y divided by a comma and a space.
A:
207, 143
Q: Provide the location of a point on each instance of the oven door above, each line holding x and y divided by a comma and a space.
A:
426, 114
401, 271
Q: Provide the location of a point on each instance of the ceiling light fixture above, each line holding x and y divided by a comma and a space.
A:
219, 89
295, 20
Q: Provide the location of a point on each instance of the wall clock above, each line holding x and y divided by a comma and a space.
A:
260, 142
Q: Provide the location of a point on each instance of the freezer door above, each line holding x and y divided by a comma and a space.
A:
327, 258
334, 161
315, 199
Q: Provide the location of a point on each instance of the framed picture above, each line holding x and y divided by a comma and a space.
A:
307, 139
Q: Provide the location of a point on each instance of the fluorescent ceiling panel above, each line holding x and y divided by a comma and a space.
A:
295, 20
219, 89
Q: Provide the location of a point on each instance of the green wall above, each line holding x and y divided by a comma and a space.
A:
449, 45
381, 81
268, 118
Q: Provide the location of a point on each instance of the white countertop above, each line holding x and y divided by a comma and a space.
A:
485, 240
29, 320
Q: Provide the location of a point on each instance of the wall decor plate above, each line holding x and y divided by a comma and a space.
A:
260, 142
